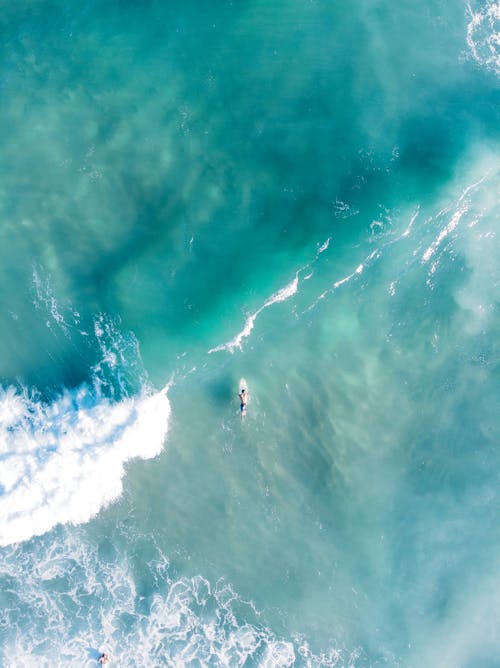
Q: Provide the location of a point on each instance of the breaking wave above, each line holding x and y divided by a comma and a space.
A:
62, 458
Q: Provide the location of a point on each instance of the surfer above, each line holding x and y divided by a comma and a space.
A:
104, 658
243, 400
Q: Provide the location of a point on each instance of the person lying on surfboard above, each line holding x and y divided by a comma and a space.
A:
243, 400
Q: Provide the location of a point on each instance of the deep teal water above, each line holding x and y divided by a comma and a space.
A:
304, 194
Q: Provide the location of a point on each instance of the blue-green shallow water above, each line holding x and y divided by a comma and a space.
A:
304, 194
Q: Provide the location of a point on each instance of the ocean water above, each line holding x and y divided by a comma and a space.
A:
301, 193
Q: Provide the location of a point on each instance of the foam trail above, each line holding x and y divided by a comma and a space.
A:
63, 461
408, 230
462, 209
483, 35
324, 246
359, 270
455, 219
185, 621
280, 296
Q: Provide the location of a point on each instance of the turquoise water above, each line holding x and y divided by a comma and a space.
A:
304, 194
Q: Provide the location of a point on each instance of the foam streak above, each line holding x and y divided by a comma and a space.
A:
280, 296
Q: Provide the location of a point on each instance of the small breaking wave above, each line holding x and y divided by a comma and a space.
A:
281, 295
455, 214
285, 293
462, 208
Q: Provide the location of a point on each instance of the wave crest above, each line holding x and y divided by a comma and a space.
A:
63, 461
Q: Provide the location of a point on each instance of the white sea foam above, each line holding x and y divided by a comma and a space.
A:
66, 603
343, 209
359, 270
408, 230
460, 210
63, 461
324, 246
443, 233
452, 214
483, 34
285, 293
347, 278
